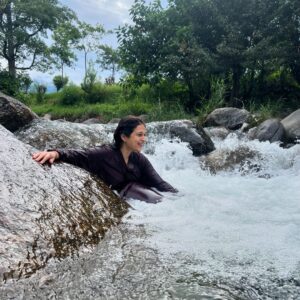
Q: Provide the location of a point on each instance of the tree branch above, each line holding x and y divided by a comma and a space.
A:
32, 63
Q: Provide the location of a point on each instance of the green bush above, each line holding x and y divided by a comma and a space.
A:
40, 92
27, 99
267, 110
60, 81
216, 100
104, 93
135, 108
71, 95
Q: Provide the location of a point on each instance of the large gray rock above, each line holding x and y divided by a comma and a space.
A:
45, 134
13, 113
228, 117
270, 130
199, 142
219, 133
241, 158
47, 212
291, 125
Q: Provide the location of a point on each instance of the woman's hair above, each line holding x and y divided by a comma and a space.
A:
126, 126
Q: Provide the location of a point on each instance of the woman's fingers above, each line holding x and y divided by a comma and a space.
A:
44, 156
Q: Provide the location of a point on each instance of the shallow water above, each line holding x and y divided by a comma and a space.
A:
232, 231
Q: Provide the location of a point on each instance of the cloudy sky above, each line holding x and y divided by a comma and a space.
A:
110, 14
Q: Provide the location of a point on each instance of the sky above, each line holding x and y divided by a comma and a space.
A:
110, 14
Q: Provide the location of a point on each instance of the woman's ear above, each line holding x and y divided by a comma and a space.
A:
123, 137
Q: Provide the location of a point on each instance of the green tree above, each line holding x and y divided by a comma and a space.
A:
65, 39
89, 41
109, 59
24, 25
60, 81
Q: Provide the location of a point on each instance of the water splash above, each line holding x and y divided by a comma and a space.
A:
228, 229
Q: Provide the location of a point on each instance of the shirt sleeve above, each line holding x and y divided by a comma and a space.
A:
87, 159
151, 178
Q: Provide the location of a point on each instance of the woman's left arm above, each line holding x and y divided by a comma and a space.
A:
151, 178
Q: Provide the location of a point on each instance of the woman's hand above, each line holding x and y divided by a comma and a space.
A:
45, 156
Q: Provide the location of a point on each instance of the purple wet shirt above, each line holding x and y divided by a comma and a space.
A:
107, 162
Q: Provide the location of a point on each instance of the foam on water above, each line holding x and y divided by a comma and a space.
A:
231, 225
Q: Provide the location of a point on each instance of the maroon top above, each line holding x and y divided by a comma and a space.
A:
108, 163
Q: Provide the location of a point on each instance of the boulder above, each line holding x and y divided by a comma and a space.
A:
199, 142
228, 117
48, 212
291, 125
243, 158
14, 114
44, 134
270, 130
217, 132
93, 121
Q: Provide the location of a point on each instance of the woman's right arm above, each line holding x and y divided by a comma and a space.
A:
85, 159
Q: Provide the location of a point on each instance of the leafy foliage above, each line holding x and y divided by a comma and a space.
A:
60, 82
71, 95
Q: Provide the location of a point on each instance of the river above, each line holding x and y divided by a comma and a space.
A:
231, 234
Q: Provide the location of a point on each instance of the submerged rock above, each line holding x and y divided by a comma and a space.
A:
291, 125
48, 211
228, 159
14, 114
228, 117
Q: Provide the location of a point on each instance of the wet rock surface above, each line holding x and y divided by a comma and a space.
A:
270, 130
217, 132
227, 160
228, 117
291, 125
14, 114
122, 266
47, 212
199, 142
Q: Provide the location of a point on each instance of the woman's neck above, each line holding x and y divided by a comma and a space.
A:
125, 152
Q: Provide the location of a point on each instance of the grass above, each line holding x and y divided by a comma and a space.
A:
107, 111
267, 110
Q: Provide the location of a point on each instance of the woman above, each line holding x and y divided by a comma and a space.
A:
121, 165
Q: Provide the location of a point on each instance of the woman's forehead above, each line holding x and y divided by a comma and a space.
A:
140, 127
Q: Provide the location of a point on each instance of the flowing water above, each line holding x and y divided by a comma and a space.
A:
234, 231
231, 234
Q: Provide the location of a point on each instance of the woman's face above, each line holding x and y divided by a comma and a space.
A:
136, 140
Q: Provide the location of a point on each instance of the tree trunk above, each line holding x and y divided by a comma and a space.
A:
236, 76
62, 71
10, 42
190, 106
85, 62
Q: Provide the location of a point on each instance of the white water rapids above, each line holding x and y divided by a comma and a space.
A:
228, 229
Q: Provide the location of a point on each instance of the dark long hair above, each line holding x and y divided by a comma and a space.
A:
126, 126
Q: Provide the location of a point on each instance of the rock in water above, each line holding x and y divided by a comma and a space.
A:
228, 117
199, 142
291, 125
14, 114
270, 130
47, 211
